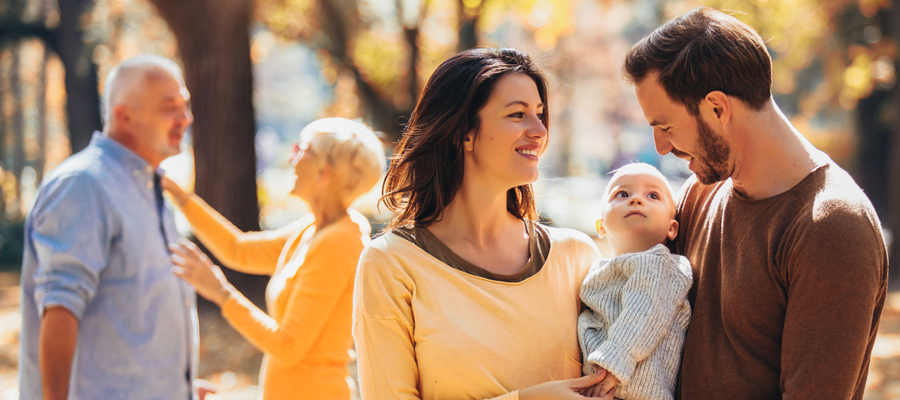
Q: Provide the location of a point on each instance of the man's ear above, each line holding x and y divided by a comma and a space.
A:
673, 230
601, 232
121, 114
718, 106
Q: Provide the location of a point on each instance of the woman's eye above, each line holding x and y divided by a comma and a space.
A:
540, 116
517, 115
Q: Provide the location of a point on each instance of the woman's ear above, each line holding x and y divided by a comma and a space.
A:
469, 141
324, 173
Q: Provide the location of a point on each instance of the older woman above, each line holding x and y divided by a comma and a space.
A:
467, 296
306, 334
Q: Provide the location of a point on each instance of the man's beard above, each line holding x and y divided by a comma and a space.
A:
712, 159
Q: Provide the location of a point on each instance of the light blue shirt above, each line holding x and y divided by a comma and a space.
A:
93, 244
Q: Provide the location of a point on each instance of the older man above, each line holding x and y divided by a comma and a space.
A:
103, 317
790, 268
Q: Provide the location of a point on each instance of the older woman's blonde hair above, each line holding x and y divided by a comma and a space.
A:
352, 151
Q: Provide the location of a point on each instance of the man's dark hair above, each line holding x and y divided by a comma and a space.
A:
700, 52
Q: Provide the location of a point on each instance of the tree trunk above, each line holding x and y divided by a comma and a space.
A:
4, 166
82, 95
468, 27
42, 120
18, 118
214, 42
894, 171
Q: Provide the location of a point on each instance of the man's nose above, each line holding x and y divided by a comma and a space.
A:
188, 117
663, 145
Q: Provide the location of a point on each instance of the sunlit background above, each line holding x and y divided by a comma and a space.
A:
834, 76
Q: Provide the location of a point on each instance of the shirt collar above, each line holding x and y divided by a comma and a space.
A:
129, 159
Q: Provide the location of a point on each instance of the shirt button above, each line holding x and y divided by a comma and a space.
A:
136, 173
187, 302
149, 169
149, 185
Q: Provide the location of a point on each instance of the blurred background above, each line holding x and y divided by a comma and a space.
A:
259, 70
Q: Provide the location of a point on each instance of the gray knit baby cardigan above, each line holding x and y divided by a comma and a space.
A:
636, 321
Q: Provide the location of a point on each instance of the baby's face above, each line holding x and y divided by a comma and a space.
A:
639, 213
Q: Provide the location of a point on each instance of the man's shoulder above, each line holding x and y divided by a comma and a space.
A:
834, 200
80, 176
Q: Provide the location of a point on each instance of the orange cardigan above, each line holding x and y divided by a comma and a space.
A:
306, 334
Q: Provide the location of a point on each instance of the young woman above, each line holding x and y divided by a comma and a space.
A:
466, 296
306, 334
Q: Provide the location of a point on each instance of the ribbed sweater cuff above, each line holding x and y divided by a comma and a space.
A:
615, 359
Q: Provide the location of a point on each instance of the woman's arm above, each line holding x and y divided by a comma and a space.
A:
248, 252
324, 278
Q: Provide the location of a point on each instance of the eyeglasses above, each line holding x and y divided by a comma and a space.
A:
299, 150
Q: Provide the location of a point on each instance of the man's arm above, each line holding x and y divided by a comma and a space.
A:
58, 337
71, 233
836, 276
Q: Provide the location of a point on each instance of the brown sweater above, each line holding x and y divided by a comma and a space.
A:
788, 291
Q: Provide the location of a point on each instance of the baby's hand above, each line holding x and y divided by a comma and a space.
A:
605, 390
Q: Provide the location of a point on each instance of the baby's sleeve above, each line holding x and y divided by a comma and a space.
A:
649, 301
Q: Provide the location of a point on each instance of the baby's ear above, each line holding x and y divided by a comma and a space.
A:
600, 231
673, 230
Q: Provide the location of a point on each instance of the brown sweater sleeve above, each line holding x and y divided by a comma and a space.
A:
834, 267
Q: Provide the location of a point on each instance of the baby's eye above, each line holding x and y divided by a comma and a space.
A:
654, 196
621, 194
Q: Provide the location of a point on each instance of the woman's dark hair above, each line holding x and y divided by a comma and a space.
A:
702, 51
427, 167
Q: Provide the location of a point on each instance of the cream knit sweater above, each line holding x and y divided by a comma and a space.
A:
636, 322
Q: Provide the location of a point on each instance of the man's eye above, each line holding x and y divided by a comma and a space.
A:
667, 129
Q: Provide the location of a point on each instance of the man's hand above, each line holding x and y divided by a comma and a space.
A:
56, 349
605, 390
562, 390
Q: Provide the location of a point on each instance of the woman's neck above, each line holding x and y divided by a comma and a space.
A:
327, 211
478, 216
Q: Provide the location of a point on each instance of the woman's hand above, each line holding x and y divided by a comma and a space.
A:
605, 390
195, 268
178, 194
567, 389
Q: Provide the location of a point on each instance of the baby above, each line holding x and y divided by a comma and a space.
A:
638, 310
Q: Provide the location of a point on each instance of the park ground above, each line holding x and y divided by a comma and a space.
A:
232, 364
